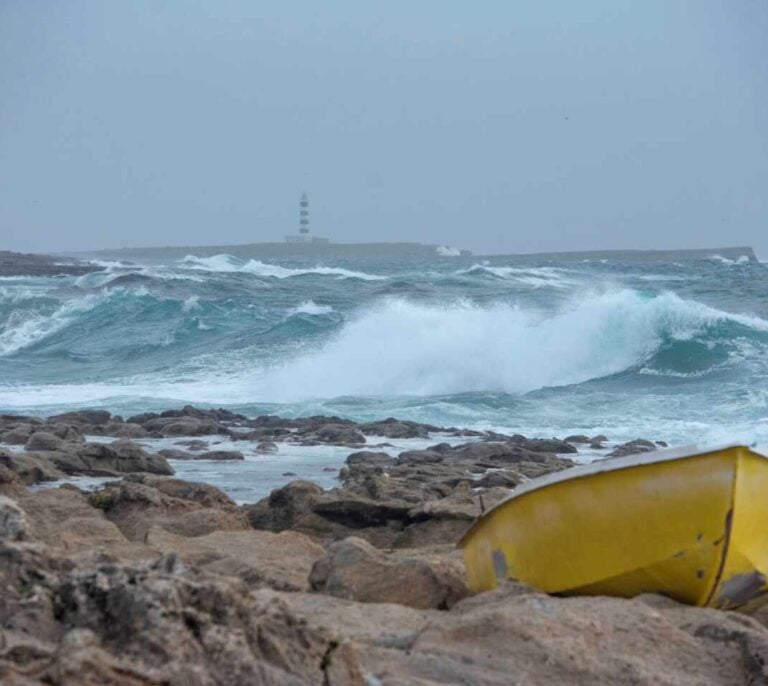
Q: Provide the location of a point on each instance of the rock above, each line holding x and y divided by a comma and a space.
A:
598, 439
265, 447
330, 469
125, 430
281, 561
100, 459
84, 417
337, 434
394, 428
180, 630
64, 519
635, 447
18, 435
194, 444
41, 440
504, 479
578, 438
355, 570
176, 454
289, 473
30, 468
13, 523
368, 457
220, 455
182, 426
181, 507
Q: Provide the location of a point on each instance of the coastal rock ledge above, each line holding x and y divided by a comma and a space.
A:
154, 580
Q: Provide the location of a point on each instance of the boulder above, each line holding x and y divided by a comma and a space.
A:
394, 428
29, 467
355, 570
42, 440
338, 434
100, 459
369, 457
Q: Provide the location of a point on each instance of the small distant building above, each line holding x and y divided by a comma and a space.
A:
303, 235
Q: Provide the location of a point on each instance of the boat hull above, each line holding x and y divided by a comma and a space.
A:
694, 528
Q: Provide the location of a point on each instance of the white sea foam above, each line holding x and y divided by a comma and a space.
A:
447, 251
228, 263
406, 348
310, 307
742, 259
537, 277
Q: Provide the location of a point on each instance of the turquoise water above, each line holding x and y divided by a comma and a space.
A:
674, 351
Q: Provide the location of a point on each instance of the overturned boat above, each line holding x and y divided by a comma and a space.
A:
689, 523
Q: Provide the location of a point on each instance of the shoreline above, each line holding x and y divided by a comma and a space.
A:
152, 579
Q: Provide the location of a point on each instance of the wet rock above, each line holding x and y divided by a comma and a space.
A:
266, 447
220, 455
394, 428
182, 426
289, 473
355, 570
338, 434
176, 454
635, 447
577, 438
194, 444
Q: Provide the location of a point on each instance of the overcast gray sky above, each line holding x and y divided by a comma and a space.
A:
503, 126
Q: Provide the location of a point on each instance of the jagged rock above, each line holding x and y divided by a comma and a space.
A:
181, 507
355, 570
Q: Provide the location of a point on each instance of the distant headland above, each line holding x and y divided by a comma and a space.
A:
75, 264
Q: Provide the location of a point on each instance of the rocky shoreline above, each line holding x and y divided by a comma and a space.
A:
151, 579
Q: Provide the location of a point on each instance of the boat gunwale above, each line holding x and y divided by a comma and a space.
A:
610, 465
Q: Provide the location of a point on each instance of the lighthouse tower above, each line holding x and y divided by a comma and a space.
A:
304, 215
303, 235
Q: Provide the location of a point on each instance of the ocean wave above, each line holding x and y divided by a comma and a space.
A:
27, 327
742, 259
229, 263
536, 277
310, 307
407, 348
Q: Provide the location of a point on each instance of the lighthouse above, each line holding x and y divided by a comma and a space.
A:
303, 235
304, 215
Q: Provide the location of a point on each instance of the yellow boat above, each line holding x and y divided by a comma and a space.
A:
689, 523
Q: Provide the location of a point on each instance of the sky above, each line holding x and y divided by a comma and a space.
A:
498, 126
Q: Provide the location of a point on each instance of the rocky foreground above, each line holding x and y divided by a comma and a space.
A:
155, 580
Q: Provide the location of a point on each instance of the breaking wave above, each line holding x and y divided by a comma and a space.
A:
229, 263
407, 348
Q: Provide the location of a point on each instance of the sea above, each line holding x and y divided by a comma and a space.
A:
664, 350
